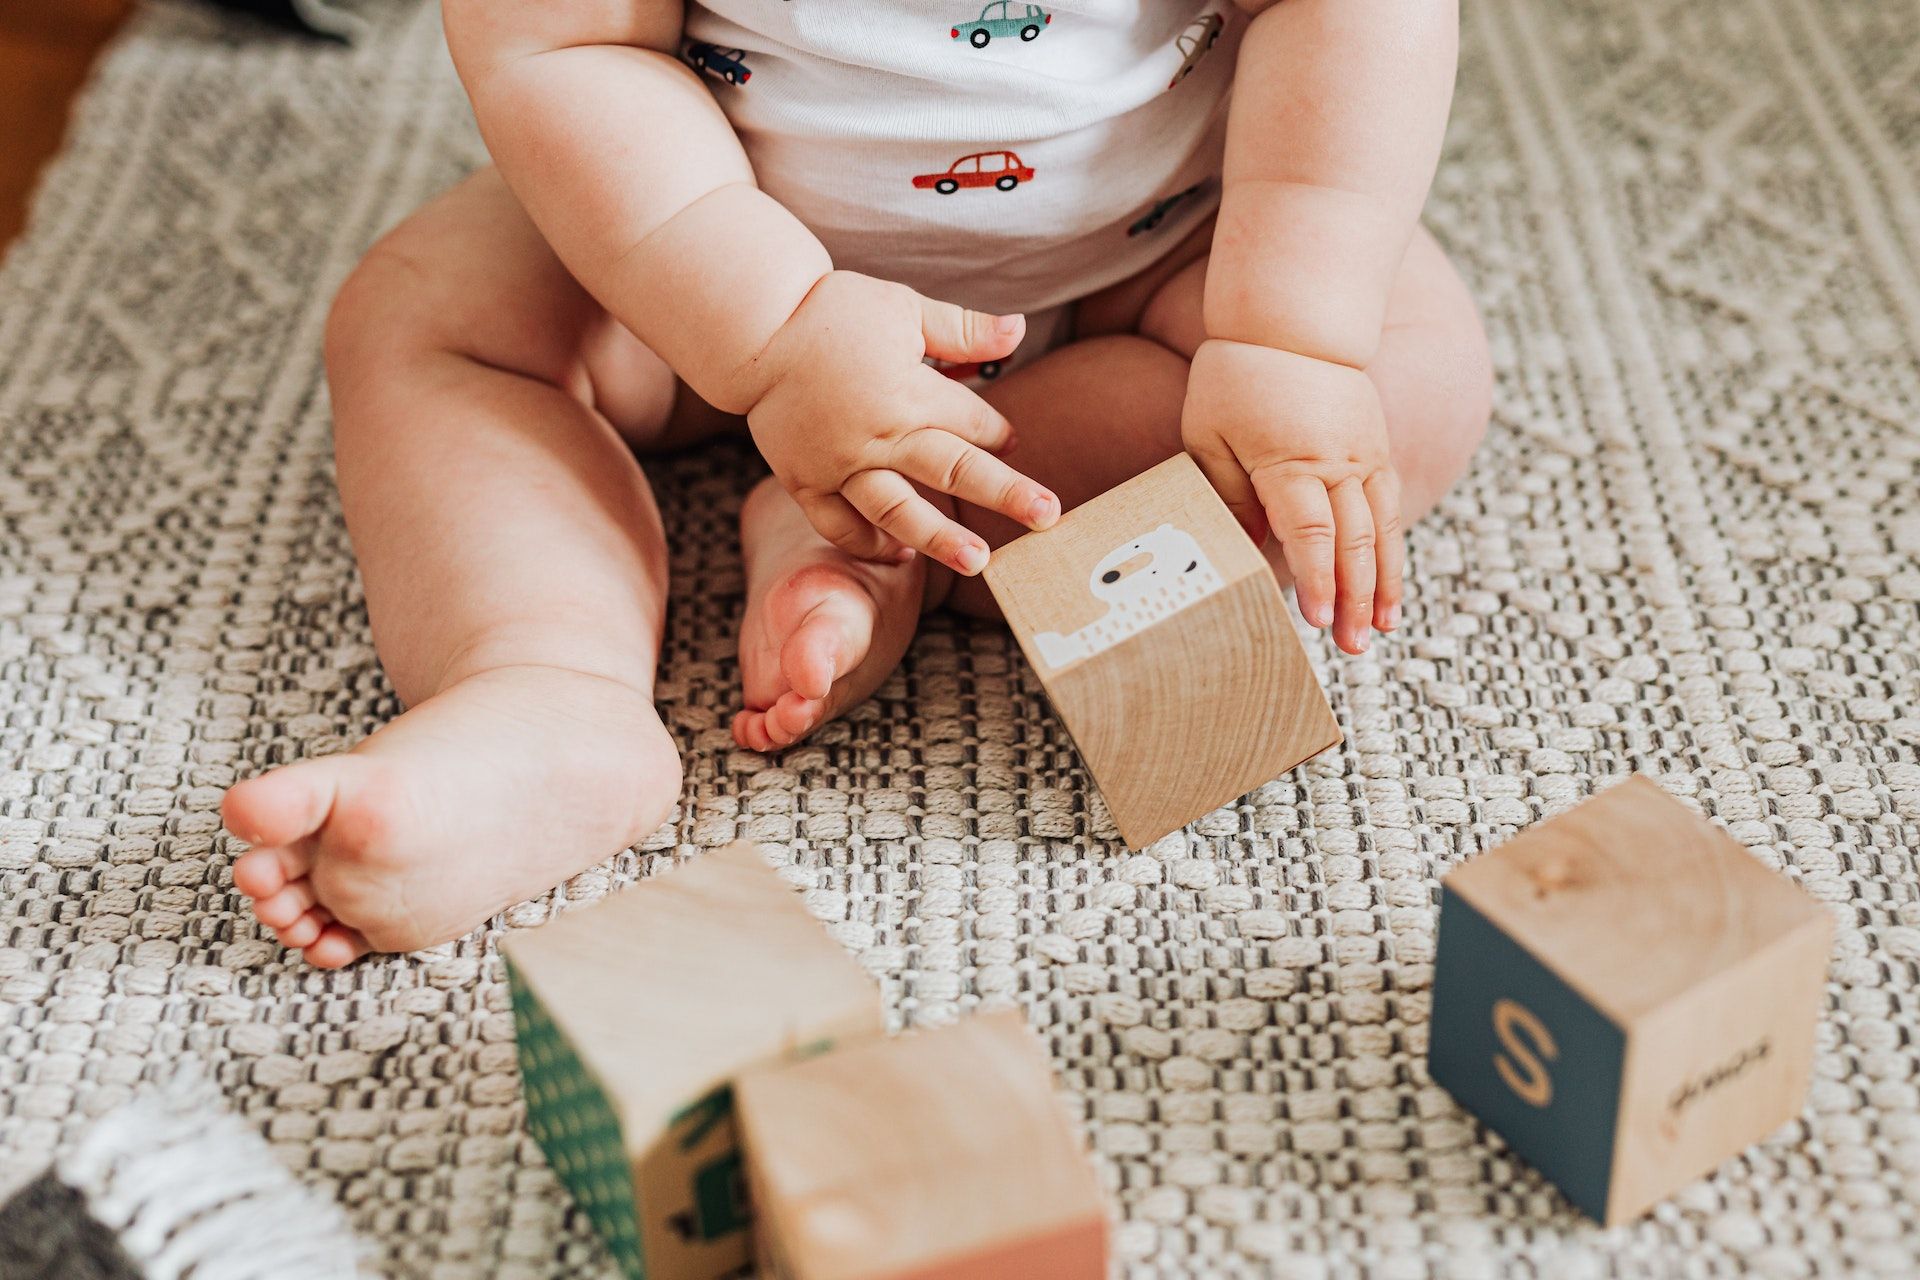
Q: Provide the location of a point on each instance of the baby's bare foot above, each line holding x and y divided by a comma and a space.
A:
488, 793
822, 629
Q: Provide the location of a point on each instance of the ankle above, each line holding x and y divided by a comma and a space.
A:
540, 650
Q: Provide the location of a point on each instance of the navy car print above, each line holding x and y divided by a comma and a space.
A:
724, 64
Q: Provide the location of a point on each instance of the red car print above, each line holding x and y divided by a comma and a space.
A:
985, 370
1000, 169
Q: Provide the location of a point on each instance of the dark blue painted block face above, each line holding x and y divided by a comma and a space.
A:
1522, 1050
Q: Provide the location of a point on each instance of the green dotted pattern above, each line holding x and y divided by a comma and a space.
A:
575, 1125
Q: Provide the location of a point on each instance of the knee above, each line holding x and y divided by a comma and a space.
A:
1470, 396
1132, 386
1437, 409
1173, 317
411, 304
1460, 408
377, 315
1130, 372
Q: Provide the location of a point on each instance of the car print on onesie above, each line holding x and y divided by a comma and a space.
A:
1201, 35
968, 371
1004, 18
999, 169
1157, 214
722, 64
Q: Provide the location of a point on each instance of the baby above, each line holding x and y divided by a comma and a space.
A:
1116, 228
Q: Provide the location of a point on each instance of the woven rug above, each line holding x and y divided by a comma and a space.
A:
1688, 549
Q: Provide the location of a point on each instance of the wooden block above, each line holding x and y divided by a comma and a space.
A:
1627, 996
939, 1155
1158, 630
633, 1018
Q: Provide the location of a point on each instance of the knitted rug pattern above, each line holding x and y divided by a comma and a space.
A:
1687, 549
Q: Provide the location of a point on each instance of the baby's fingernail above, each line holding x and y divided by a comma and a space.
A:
1006, 324
1321, 615
1393, 617
1361, 643
971, 558
1043, 510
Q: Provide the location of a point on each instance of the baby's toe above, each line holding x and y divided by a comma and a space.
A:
303, 931
336, 946
278, 910
794, 717
812, 658
750, 731
278, 809
261, 873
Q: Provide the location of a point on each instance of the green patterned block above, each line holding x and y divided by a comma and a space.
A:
719, 1184
634, 1018
574, 1123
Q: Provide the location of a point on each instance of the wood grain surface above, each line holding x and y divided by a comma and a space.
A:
941, 1154
1162, 639
1628, 996
1633, 898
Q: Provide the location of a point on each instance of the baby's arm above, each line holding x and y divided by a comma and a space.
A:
1339, 107
626, 164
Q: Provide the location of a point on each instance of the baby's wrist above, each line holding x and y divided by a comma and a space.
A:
1242, 382
786, 350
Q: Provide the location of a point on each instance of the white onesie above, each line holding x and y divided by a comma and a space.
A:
1011, 157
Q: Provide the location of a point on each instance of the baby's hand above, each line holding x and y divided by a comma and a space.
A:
851, 420
1299, 445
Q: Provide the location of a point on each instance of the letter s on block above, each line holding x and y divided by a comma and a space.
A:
1529, 1078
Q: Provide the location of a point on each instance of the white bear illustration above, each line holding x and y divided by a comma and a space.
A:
1142, 581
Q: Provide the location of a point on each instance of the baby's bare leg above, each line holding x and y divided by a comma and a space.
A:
515, 575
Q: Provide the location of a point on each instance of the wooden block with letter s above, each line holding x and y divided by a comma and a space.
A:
632, 1019
1159, 633
1627, 996
937, 1155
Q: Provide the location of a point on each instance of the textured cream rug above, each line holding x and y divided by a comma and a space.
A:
1688, 549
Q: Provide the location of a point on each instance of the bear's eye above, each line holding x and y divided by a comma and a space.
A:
1111, 575
1191, 566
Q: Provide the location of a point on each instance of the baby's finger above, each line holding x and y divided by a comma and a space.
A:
954, 333
1354, 568
952, 407
889, 501
941, 460
1230, 480
1383, 493
1303, 521
836, 520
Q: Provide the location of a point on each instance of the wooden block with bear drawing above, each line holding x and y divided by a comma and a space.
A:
937, 1155
1160, 635
1627, 996
632, 1019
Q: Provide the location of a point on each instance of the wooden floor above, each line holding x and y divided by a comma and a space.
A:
46, 47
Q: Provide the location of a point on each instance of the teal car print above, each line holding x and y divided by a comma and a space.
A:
1004, 18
